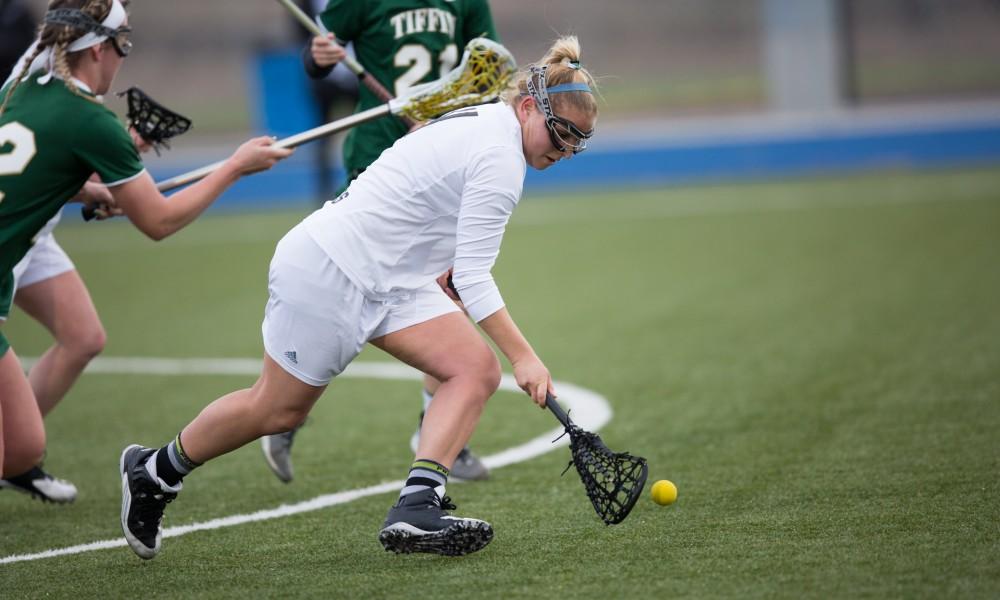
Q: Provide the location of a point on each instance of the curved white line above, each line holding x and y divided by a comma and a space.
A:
590, 411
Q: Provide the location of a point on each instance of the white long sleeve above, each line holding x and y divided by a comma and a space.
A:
439, 197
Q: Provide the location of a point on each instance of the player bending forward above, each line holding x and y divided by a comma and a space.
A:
363, 269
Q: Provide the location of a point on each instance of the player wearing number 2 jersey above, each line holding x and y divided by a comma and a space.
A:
54, 134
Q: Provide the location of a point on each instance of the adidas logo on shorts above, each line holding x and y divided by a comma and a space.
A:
291, 356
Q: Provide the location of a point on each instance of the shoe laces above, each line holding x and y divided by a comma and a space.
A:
443, 503
150, 501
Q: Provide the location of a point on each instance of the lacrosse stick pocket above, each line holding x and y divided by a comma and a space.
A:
613, 480
153, 122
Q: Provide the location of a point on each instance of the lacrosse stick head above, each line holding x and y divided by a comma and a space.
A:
613, 480
153, 122
483, 74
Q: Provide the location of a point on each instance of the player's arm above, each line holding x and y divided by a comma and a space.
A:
158, 216
530, 373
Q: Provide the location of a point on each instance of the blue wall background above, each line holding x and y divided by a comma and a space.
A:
933, 137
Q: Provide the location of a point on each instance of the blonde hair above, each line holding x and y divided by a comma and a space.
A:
58, 37
563, 66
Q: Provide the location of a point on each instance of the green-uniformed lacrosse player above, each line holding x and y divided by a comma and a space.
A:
401, 43
55, 134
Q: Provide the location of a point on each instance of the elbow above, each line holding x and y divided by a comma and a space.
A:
157, 232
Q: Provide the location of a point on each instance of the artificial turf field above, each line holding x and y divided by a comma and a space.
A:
814, 363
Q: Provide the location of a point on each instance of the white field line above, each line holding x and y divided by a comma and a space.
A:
590, 411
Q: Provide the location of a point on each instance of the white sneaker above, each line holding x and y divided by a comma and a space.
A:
39, 484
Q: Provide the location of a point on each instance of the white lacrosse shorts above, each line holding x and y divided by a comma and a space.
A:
45, 260
317, 320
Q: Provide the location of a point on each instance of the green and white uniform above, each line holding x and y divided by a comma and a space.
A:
51, 141
401, 43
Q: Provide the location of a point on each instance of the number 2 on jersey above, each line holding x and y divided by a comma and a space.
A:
16, 159
418, 59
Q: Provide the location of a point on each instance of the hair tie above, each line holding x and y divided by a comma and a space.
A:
574, 64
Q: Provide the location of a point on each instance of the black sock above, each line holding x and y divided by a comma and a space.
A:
425, 474
172, 464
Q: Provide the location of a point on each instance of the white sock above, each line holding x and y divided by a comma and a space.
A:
427, 399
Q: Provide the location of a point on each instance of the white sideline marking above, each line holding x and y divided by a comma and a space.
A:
590, 411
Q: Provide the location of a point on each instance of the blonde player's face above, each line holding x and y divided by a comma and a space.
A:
539, 152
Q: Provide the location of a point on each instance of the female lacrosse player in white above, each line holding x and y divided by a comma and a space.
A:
54, 134
363, 269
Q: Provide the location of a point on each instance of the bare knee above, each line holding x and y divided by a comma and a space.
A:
284, 419
482, 377
86, 343
277, 413
491, 376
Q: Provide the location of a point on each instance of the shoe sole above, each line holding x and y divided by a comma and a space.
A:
142, 550
284, 475
455, 540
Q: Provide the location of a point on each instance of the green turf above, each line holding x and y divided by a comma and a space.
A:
815, 364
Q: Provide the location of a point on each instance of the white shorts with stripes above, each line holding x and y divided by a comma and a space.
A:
317, 320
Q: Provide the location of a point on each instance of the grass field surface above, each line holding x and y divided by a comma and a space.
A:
814, 363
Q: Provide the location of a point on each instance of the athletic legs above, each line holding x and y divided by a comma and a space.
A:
63, 305
22, 443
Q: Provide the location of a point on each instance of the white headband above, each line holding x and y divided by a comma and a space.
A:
115, 19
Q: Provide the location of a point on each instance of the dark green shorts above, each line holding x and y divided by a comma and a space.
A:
6, 297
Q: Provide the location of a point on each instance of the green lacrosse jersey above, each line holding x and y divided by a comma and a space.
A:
401, 43
51, 141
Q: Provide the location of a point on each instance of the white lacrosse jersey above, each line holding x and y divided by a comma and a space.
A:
440, 197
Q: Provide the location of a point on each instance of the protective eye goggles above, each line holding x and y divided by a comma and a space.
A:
121, 40
77, 19
563, 133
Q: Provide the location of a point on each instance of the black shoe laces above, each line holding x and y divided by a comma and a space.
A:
148, 504
443, 503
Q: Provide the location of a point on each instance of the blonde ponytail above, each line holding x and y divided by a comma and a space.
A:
563, 66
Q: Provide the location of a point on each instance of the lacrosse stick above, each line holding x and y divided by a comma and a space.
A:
613, 480
483, 74
369, 82
153, 122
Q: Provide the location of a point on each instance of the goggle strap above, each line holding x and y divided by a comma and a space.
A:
77, 19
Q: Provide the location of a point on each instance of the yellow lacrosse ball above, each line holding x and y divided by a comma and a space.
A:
664, 492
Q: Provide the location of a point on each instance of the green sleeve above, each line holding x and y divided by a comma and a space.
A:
479, 21
345, 18
104, 145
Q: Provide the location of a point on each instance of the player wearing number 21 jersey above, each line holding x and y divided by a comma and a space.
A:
401, 43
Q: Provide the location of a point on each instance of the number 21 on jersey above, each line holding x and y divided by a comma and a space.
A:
418, 59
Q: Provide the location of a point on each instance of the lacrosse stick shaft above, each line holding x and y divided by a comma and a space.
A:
557, 410
289, 142
349, 61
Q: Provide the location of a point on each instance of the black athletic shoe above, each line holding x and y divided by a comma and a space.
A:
39, 484
143, 501
418, 523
